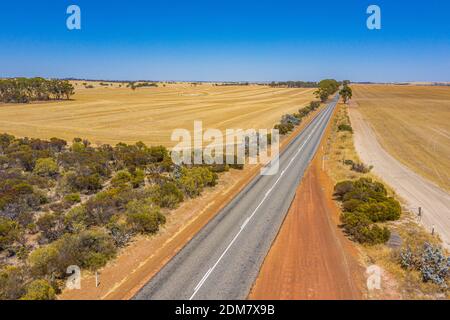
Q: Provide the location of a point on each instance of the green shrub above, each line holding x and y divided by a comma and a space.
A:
39, 290
342, 188
314, 105
89, 249
121, 178
82, 182
46, 167
364, 203
361, 229
72, 198
168, 195
95, 247
143, 217
76, 219
361, 167
352, 205
345, 127
12, 279
138, 178
51, 226
192, 181
44, 261
348, 162
284, 128
10, 232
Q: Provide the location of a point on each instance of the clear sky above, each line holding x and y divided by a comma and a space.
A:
227, 40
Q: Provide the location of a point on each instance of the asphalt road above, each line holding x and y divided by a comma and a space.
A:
223, 260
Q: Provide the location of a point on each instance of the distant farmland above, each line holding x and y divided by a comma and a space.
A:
109, 114
411, 123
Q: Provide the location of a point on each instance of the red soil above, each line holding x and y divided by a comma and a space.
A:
311, 258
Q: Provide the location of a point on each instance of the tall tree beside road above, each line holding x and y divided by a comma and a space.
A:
346, 93
326, 88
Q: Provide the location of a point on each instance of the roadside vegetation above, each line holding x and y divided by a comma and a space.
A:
346, 92
77, 204
24, 90
289, 121
414, 264
365, 204
326, 88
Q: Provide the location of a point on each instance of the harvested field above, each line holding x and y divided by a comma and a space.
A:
412, 123
109, 114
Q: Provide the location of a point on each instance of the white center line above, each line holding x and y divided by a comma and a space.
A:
210, 270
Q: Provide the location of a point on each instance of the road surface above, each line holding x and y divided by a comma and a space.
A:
311, 258
413, 188
224, 258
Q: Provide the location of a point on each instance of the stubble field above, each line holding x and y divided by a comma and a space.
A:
413, 124
109, 114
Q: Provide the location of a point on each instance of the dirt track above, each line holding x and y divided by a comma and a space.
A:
415, 190
310, 258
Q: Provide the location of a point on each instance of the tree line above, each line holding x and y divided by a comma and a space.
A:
24, 90
293, 84
289, 121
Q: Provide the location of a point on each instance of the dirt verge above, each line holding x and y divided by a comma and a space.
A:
311, 258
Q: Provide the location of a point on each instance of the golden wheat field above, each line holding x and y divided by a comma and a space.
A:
413, 124
112, 114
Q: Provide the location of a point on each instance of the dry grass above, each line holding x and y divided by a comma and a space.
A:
397, 283
413, 124
340, 147
112, 114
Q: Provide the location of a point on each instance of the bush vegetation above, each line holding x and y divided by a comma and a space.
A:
365, 203
289, 121
64, 205
430, 261
345, 127
24, 90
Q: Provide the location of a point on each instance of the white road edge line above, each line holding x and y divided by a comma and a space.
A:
210, 270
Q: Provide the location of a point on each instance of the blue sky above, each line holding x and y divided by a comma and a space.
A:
227, 40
